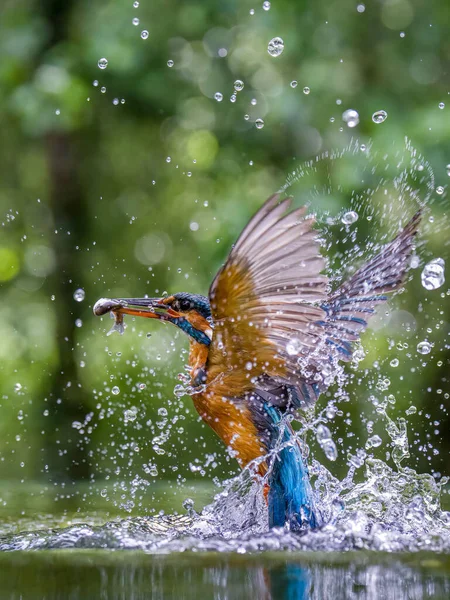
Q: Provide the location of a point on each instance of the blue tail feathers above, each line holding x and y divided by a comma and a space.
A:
290, 497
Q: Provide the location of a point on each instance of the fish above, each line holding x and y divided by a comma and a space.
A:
106, 305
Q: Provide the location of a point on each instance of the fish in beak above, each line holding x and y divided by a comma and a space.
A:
150, 308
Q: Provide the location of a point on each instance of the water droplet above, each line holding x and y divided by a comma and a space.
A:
351, 117
374, 442
144, 34
294, 84
331, 411
349, 217
179, 390
102, 63
218, 96
168, 159
233, 98
379, 116
411, 410
193, 226
306, 90
439, 190
116, 101
135, 21
136, 4
238, 85
424, 347
115, 390
433, 274
383, 384
130, 414
79, 295
259, 123
266, 5
402, 34
246, 117
275, 46
251, 12
441, 105
360, 8
17, 387
323, 436
253, 101
293, 347
104, 493
142, 386
170, 63
78, 323
103, 89
188, 504
95, 83
57, 112
162, 412
394, 362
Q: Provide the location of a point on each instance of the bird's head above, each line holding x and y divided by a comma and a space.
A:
189, 312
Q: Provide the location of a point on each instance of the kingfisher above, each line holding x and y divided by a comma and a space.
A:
265, 339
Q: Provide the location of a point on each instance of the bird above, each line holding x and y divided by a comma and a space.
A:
266, 337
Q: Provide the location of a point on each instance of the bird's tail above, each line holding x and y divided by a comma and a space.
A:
352, 304
290, 496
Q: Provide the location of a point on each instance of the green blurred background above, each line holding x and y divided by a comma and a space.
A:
134, 179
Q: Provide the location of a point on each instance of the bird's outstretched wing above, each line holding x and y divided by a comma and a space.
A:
276, 330
266, 299
353, 303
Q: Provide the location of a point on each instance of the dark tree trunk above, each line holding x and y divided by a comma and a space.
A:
66, 455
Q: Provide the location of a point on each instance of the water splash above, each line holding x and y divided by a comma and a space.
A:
390, 510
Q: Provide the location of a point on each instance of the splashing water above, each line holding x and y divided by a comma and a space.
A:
391, 510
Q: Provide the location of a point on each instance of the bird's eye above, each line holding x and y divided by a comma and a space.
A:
185, 304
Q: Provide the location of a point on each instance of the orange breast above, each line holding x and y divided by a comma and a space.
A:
233, 424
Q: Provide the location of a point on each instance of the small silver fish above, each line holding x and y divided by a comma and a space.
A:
118, 323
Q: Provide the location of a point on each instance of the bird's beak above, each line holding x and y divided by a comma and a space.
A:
151, 308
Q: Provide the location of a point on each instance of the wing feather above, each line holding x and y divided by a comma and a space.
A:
269, 291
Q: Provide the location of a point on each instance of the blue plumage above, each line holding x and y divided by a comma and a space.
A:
290, 497
195, 334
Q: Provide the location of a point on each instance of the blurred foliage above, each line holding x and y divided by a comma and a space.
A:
134, 179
